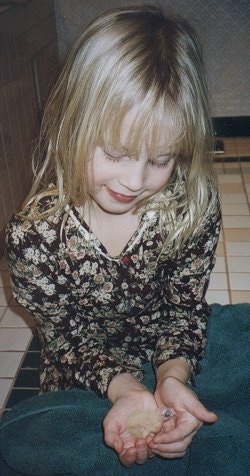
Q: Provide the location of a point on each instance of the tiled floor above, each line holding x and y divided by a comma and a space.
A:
230, 280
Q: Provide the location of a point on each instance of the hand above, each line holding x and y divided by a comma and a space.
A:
129, 447
179, 430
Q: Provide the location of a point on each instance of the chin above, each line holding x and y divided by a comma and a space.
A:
116, 210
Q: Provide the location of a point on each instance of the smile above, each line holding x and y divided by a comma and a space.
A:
120, 197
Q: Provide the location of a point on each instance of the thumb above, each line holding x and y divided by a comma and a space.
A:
113, 440
112, 430
202, 413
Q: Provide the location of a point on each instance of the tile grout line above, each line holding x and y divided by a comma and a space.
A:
225, 242
2, 409
242, 176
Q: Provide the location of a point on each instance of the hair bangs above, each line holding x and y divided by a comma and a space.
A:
159, 128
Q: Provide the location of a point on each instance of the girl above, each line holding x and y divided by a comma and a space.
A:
113, 249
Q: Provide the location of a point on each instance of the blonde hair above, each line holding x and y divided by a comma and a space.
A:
132, 57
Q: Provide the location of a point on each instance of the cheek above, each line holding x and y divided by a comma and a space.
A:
160, 177
90, 173
97, 173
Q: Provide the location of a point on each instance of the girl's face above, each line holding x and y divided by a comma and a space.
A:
118, 182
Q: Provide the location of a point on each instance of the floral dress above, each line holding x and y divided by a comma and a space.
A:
98, 316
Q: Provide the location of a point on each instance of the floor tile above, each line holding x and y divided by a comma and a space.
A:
16, 317
27, 378
239, 281
5, 387
246, 175
219, 297
229, 179
240, 296
5, 296
230, 169
15, 339
242, 142
218, 281
219, 169
237, 209
221, 235
238, 248
238, 264
35, 344
233, 198
2, 311
31, 360
9, 363
237, 234
242, 145
236, 221
220, 265
220, 250
229, 147
230, 187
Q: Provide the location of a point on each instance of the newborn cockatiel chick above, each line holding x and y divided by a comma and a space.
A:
142, 424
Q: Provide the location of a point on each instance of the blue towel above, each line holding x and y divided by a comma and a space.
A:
61, 434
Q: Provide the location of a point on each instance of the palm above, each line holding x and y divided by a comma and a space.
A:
116, 430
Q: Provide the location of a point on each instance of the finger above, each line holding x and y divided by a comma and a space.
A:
172, 450
113, 440
143, 452
139, 454
204, 415
170, 455
185, 424
128, 457
182, 431
200, 412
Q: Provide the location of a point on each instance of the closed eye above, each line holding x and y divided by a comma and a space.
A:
114, 156
161, 161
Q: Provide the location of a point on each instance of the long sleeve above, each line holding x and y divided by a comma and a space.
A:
186, 281
50, 286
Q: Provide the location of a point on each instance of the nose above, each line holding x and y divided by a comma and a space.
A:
133, 175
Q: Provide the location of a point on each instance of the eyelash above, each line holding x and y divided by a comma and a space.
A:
113, 158
159, 165
116, 159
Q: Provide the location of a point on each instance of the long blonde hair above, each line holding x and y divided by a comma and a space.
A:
125, 58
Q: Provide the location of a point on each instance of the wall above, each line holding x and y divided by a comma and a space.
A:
28, 59
224, 29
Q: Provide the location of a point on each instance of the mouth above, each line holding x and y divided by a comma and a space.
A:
119, 197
